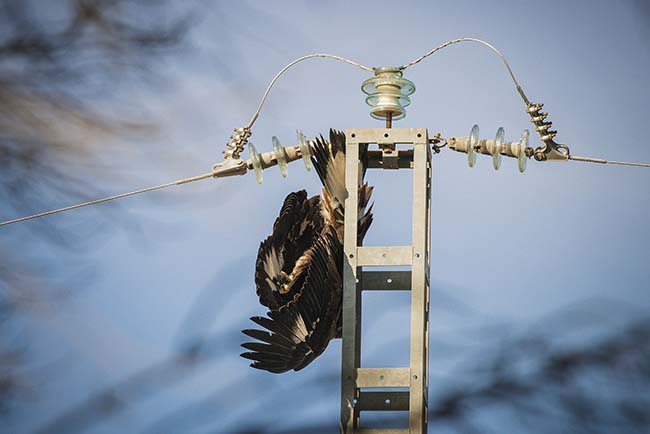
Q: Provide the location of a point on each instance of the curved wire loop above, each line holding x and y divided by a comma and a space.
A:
239, 140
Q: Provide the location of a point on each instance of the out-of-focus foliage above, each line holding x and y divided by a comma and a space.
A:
538, 386
61, 65
532, 382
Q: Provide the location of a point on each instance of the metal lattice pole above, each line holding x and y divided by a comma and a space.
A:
405, 388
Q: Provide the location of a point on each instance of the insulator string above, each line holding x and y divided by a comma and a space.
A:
263, 100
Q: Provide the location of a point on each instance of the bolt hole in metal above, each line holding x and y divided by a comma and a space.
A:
356, 280
419, 134
354, 135
381, 377
417, 255
387, 401
415, 377
351, 255
389, 280
386, 135
383, 255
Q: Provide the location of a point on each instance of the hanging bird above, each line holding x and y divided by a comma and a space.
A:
299, 267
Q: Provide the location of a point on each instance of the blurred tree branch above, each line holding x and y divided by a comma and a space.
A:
61, 64
539, 387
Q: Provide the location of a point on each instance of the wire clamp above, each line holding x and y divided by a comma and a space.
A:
550, 151
438, 142
229, 167
237, 143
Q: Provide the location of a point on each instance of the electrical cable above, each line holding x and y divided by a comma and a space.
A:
601, 161
479, 41
199, 177
266, 94
106, 199
298, 60
519, 90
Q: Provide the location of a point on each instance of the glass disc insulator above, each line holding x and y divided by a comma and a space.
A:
256, 161
496, 151
471, 145
305, 149
521, 151
280, 156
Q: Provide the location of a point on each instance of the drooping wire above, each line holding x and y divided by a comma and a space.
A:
479, 41
298, 60
199, 177
263, 100
519, 90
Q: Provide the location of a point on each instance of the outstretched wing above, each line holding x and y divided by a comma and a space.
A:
294, 232
329, 160
300, 331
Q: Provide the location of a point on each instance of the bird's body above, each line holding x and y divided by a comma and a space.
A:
299, 268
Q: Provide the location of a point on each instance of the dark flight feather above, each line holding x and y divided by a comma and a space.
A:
298, 273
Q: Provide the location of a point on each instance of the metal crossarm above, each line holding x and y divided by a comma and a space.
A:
356, 279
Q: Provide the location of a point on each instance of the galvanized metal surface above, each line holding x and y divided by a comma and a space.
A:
384, 401
386, 280
412, 380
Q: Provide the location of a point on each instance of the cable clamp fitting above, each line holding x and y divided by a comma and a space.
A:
237, 143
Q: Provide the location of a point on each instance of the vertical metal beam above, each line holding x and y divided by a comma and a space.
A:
351, 348
419, 291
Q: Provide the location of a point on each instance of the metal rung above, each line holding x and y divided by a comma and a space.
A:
404, 159
386, 280
384, 256
384, 401
383, 431
383, 377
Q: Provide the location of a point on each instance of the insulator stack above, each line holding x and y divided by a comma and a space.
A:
472, 145
388, 93
281, 156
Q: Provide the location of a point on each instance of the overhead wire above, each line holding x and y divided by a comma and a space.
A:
601, 161
265, 95
199, 177
519, 90
106, 199
298, 60
478, 41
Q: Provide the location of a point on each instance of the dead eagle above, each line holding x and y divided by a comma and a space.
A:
299, 268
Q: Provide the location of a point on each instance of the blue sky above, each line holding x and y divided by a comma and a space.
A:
510, 253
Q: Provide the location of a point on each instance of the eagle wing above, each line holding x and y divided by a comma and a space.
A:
299, 331
329, 161
299, 266
294, 232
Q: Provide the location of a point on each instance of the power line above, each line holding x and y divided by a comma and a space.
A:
601, 161
106, 199
238, 167
478, 41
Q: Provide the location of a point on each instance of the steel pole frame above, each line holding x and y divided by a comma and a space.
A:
410, 383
